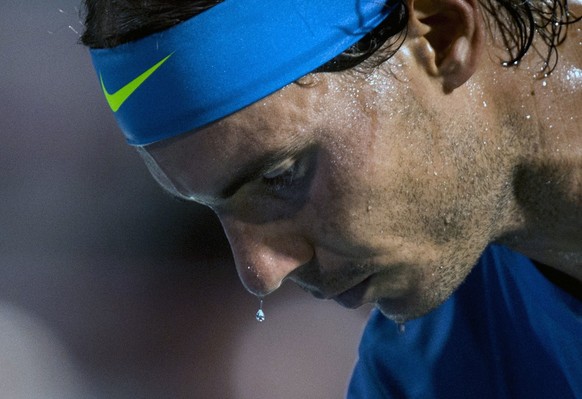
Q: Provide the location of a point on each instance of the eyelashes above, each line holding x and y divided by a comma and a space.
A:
285, 175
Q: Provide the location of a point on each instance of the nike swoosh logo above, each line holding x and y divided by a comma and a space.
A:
117, 99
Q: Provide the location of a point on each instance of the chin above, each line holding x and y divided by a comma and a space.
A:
410, 307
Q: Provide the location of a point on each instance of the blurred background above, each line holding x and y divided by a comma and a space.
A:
108, 287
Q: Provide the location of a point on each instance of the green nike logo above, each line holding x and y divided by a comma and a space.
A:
117, 99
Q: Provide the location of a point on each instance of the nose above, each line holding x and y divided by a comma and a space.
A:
265, 254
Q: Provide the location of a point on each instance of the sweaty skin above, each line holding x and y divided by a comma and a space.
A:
382, 187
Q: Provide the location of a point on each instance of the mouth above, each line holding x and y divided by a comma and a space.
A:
350, 298
354, 297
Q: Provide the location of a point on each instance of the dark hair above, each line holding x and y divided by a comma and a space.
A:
112, 22
109, 23
517, 22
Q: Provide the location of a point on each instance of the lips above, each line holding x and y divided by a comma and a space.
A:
355, 296
354, 290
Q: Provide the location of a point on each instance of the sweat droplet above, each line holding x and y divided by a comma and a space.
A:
401, 328
260, 316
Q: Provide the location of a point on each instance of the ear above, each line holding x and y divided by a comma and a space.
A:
451, 35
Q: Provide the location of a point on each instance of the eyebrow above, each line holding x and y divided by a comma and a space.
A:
256, 168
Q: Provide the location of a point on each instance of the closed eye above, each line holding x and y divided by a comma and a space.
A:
285, 174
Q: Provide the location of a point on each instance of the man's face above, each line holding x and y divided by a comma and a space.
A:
358, 187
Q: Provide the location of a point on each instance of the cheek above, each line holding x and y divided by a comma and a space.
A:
357, 194
371, 194
341, 210
388, 176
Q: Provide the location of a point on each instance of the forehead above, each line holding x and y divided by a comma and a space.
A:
200, 161
323, 110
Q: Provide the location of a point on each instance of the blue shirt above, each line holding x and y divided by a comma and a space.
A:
507, 332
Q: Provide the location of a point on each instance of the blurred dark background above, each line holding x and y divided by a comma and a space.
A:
108, 287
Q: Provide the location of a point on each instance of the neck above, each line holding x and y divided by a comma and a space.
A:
546, 214
547, 185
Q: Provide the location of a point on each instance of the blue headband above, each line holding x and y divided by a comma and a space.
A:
225, 59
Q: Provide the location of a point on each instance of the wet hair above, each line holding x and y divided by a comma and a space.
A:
109, 23
518, 21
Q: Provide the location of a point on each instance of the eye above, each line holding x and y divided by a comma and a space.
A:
285, 174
